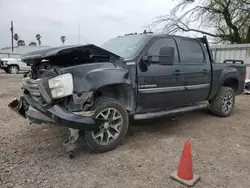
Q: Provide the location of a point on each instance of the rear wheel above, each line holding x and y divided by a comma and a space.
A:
13, 69
223, 103
110, 134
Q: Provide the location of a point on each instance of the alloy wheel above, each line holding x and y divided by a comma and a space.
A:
227, 102
110, 130
13, 70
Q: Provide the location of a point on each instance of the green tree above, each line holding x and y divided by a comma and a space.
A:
32, 44
63, 39
38, 38
223, 20
20, 43
16, 37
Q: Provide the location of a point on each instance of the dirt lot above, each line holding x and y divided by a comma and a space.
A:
33, 155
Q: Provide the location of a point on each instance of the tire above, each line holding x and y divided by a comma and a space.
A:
13, 69
223, 104
101, 140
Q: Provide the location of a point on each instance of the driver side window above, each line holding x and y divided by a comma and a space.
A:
154, 50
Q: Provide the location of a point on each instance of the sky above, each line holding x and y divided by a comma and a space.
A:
98, 20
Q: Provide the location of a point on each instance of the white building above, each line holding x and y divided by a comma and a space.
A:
233, 52
19, 50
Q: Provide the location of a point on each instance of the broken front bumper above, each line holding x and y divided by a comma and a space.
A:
54, 114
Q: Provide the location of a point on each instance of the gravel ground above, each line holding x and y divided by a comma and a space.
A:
33, 155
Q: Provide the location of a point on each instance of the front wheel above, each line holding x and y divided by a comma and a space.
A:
109, 135
222, 105
13, 69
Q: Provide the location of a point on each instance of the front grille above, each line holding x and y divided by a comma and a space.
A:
30, 86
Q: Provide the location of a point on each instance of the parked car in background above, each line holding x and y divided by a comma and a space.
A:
13, 66
247, 80
247, 86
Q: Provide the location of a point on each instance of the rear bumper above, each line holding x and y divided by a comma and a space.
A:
55, 114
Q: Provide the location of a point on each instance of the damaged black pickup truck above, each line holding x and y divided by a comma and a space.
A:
94, 90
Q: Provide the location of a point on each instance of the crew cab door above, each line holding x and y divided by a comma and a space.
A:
159, 86
196, 69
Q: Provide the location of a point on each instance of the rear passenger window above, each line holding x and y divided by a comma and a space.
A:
154, 50
192, 52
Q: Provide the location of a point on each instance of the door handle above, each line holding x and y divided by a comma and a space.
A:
205, 71
177, 72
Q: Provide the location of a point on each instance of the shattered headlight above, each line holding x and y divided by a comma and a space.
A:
61, 86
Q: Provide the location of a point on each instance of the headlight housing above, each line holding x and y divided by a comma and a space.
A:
61, 86
4, 63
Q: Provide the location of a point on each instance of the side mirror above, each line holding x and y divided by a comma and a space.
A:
147, 60
166, 55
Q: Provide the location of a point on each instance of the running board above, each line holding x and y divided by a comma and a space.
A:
152, 115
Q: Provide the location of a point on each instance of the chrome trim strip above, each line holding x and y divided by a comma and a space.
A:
201, 86
162, 89
130, 63
173, 89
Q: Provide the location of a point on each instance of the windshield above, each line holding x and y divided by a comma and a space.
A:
126, 46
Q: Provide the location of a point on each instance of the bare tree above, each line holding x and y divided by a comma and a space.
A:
63, 39
38, 38
224, 20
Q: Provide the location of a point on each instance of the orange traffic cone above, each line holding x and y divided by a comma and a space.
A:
184, 174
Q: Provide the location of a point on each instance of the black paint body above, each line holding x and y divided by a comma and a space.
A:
196, 83
180, 89
147, 88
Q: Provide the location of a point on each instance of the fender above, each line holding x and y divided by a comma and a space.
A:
90, 77
228, 73
221, 77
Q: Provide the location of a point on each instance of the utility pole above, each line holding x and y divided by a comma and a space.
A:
12, 35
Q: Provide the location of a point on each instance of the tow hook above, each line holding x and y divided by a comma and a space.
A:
70, 143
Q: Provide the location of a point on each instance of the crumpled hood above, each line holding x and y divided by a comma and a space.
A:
90, 50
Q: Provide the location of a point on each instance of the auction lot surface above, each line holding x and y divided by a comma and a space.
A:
33, 155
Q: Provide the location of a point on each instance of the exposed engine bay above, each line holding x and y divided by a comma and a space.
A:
62, 84
48, 65
47, 69
45, 66
62, 77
